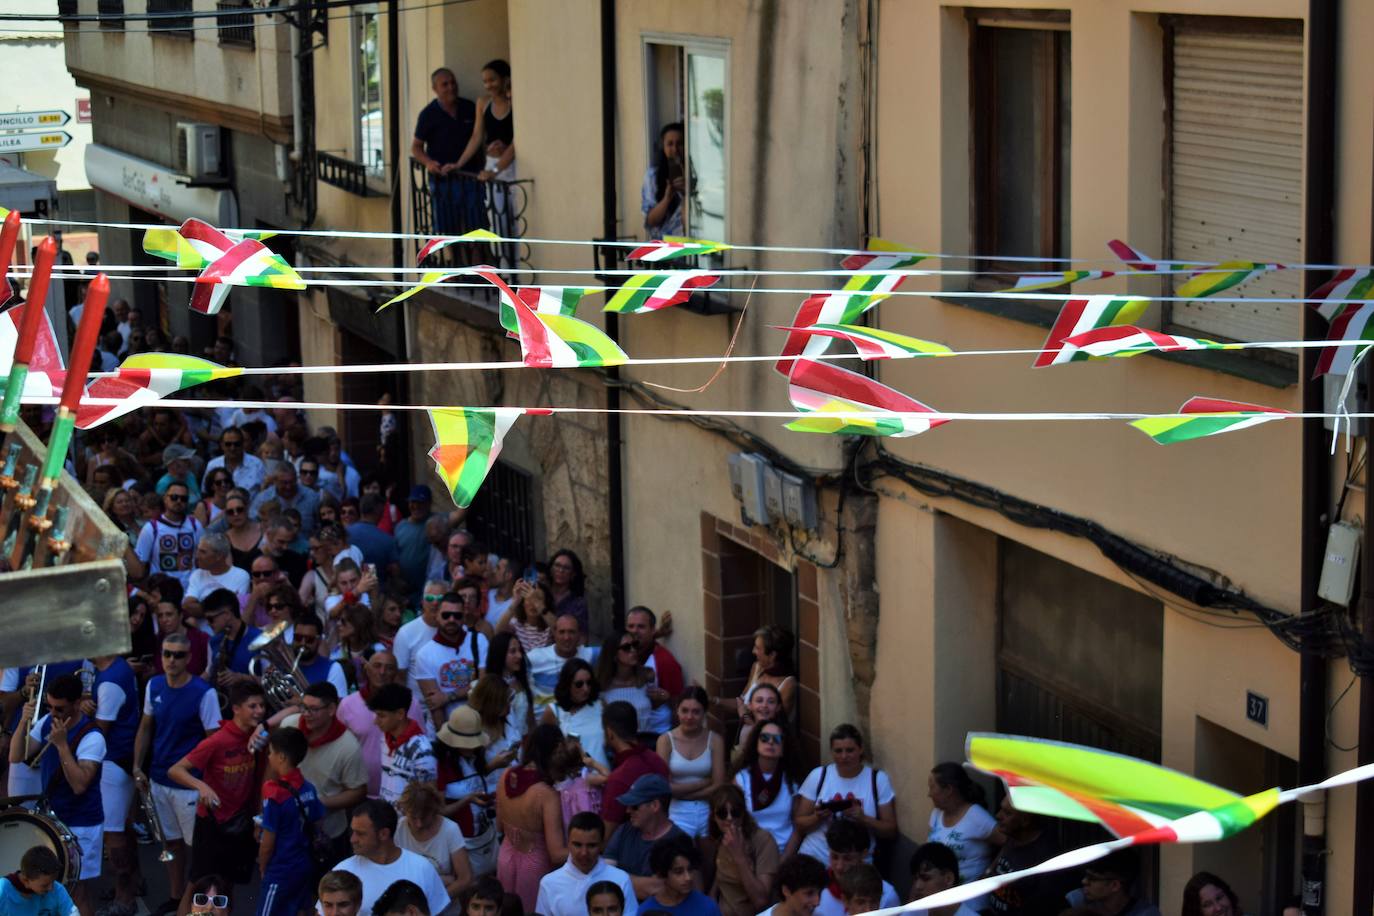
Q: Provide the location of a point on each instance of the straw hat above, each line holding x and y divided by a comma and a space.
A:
464, 729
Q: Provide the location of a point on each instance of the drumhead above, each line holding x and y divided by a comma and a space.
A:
22, 829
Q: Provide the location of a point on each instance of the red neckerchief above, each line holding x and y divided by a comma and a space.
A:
335, 729
410, 731
763, 789
18, 884
365, 688
834, 884
520, 779
443, 640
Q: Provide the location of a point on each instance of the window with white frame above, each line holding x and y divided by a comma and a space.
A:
368, 133
687, 81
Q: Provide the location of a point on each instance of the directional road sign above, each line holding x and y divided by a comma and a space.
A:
27, 143
29, 120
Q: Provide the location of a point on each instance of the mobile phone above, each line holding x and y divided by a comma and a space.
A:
837, 804
531, 575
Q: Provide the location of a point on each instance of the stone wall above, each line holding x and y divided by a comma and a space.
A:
566, 453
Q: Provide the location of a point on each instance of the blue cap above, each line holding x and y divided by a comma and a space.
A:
647, 788
421, 494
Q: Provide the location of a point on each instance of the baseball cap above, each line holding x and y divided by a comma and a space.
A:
176, 450
421, 494
646, 788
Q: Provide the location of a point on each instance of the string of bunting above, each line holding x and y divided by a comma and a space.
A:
826, 398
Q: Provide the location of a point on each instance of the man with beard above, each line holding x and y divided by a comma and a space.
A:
314, 666
448, 665
289, 494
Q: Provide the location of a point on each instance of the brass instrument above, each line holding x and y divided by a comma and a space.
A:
273, 664
37, 698
145, 798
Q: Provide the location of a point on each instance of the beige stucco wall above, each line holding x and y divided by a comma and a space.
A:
198, 67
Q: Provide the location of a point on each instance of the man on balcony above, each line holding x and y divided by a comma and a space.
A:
441, 134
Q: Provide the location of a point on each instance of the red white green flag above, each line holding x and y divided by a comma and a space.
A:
1206, 417
842, 402
1080, 315
654, 290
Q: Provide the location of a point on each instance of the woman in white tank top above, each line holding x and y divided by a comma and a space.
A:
696, 762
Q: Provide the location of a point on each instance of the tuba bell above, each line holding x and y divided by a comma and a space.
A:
276, 666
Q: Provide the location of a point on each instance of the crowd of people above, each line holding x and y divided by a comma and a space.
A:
338, 697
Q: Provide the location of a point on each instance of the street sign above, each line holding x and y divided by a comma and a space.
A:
26, 120
27, 143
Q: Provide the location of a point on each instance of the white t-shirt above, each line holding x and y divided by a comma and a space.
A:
496, 607
563, 891
831, 905
545, 665
438, 849
170, 548
452, 669
92, 746
409, 639
248, 475
408, 867
776, 819
204, 582
967, 839
109, 700
831, 786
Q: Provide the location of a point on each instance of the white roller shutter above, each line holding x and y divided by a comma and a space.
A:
1236, 173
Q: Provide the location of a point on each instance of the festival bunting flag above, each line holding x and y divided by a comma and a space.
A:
1354, 321
1080, 315
1131, 798
881, 255
551, 300
47, 369
550, 340
1027, 283
1348, 284
1207, 279
141, 380
654, 290
441, 242
1132, 341
1206, 417
672, 247
224, 259
467, 441
842, 308
825, 390
874, 343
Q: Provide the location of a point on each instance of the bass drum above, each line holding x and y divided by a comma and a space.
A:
22, 829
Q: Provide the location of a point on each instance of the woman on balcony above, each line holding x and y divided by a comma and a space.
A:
495, 133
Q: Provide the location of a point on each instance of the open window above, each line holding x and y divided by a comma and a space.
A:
369, 135
688, 82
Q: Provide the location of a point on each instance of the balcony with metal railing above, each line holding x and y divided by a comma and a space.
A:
460, 202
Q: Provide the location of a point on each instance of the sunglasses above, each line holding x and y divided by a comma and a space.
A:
240, 510
309, 472
450, 615
217, 900
220, 482
626, 647
176, 497
729, 813
583, 683
432, 597
264, 573
276, 606
770, 738
232, 443
168, 653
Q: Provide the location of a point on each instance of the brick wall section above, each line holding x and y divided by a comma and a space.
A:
733, 595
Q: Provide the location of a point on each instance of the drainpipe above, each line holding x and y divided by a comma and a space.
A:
609, 228
393, 127
1316, 462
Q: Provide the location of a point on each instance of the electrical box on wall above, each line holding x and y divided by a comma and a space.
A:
198, 151
747, 482
798, 501
1339, 563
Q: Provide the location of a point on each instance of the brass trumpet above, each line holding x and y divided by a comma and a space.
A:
145, 798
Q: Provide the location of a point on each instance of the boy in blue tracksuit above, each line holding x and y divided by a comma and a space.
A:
291, 813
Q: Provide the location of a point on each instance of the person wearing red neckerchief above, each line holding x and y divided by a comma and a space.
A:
334, 762
407, 755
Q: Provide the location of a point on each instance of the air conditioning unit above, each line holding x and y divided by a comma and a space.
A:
198, 151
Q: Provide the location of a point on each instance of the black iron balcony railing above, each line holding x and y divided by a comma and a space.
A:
343, 173
67, 8
235, 29
460, 202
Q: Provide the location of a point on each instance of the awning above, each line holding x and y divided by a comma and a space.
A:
30, 194
152, 187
